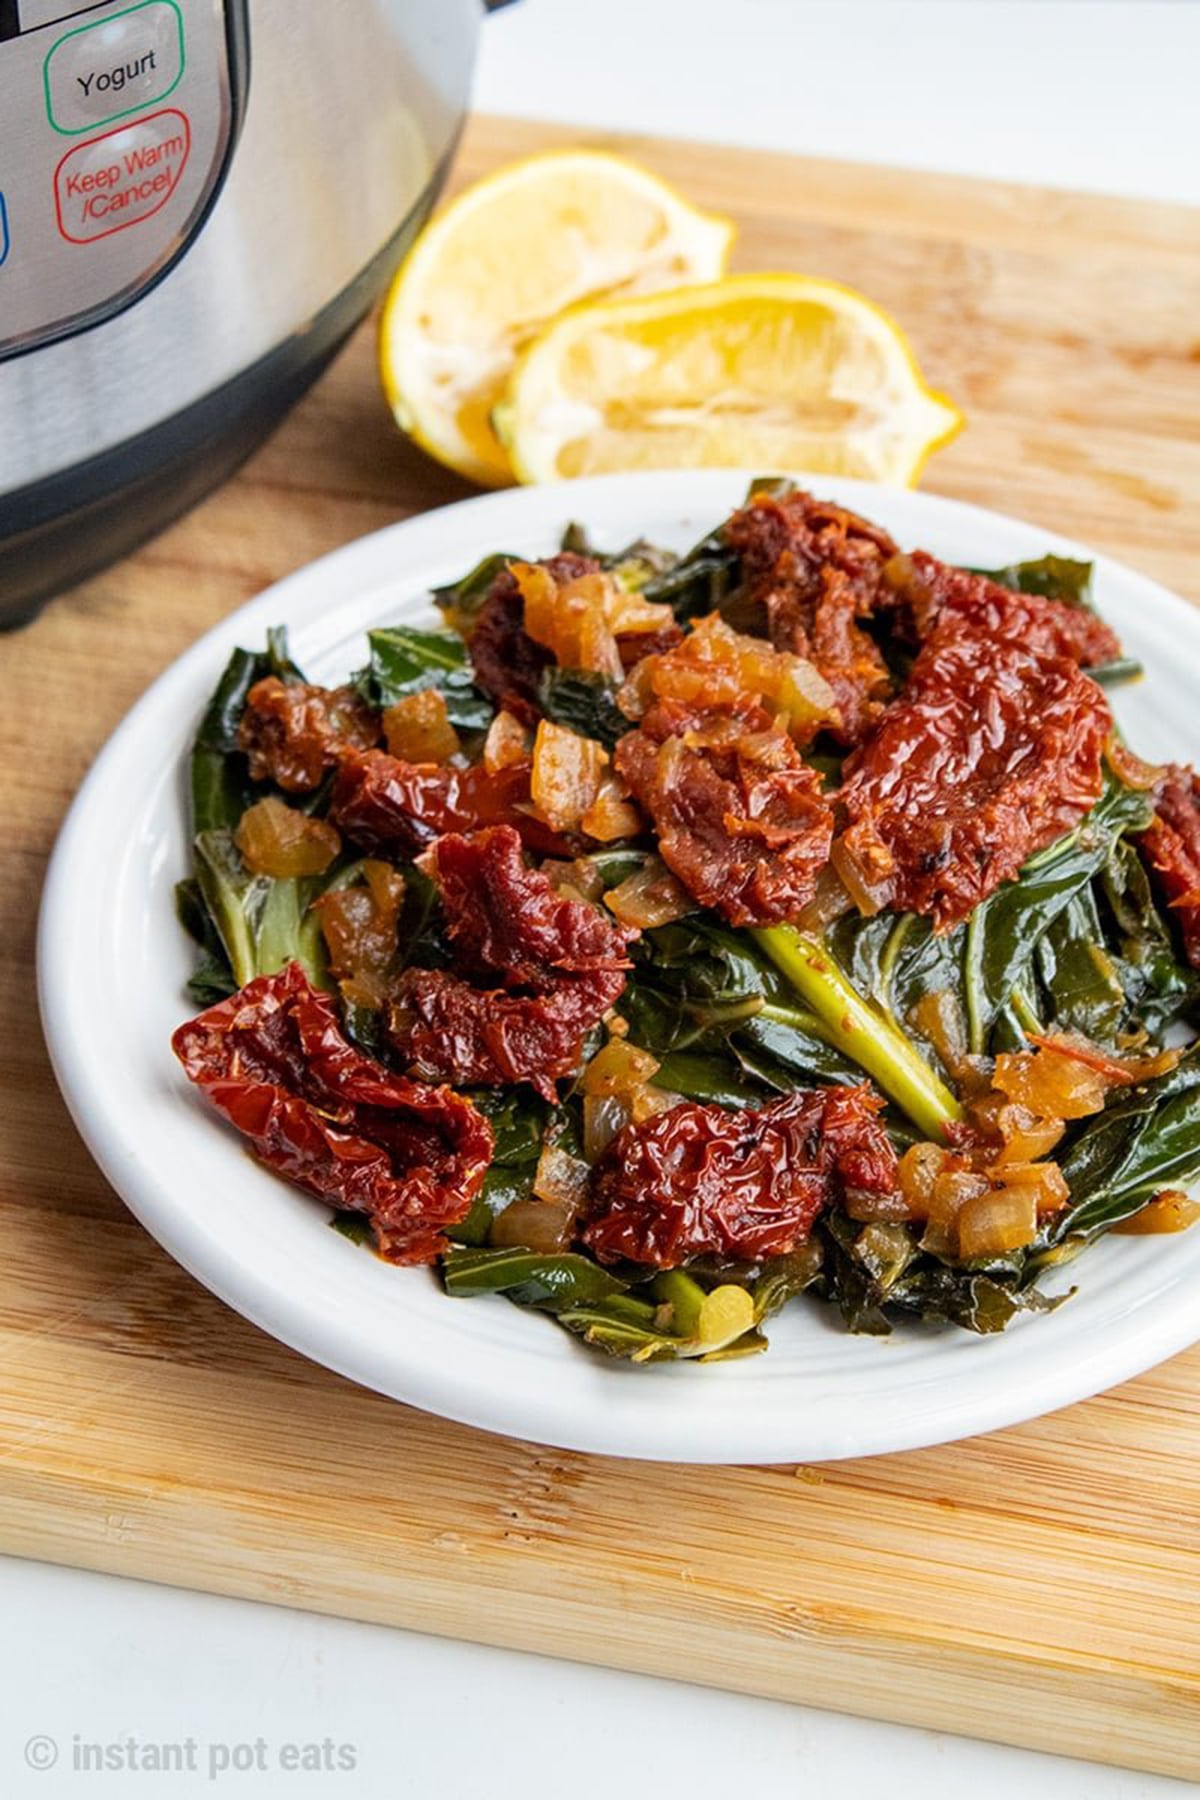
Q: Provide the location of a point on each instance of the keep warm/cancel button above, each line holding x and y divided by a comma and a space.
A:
121, 178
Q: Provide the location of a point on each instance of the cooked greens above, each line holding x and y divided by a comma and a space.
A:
1079, 949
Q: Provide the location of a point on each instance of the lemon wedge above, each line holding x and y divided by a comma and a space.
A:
509, 254
756, 371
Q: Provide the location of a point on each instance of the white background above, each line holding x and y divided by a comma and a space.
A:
1065, 92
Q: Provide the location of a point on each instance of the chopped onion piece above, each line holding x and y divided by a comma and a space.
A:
612, 814
560, 1176
649, 1100
618, 1068
830, 901
1132, 771
277, 840
938, 1016
651, 897
359, 928
1172, 1210
541, 1225
919, 1168
1051, 1085
992, 1223
1117, 1071
953, 1189
804, 696
418, 729
603, 1116
1044, 1180
629, 615
869, 889
506, 743
566, 776
715, 666
871, 1208
572, 621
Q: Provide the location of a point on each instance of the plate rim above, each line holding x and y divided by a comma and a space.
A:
265, 1301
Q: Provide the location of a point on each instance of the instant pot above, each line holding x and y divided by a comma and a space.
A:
198, 200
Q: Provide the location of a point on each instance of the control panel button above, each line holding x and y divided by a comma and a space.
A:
115, 67
122, 177
3, 232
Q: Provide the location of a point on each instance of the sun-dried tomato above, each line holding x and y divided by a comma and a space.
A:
273, 1060
294, 733
990, 753
382, 803
706, 1181
508, 664
534, 972
935, 592
1171, 847
740, 818
817, 570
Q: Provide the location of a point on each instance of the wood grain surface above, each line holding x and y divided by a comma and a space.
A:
1040, 1585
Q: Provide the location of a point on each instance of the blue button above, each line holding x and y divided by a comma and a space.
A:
3, 230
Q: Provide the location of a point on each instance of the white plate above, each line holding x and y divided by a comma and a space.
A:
112, 964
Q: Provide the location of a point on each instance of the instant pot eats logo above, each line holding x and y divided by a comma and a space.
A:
121, 178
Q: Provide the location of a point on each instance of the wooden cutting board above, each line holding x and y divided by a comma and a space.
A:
1040, 1585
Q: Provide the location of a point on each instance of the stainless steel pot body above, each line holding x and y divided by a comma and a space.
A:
198, 199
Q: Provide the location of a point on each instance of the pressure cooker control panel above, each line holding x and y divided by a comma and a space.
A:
115, 124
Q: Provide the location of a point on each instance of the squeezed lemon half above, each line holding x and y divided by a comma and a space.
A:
509, 254
755, 371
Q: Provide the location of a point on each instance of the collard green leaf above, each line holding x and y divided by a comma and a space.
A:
861, 1029
405, 661
262, 923
705, 962
705, 1000
789, 1049
681, 1320
584, 702
1158, 983
549, 1282
897, 960
977, 1302
212, 978
1052, 577
632, 567
1121, 668
876, 1273
221, 788
420, 940
353, 1225
1146, 1139
1001, 936
783, 1277
1080, 978
711, 1079
639, 563
461, 601
519, 1119
279, 656
705, 578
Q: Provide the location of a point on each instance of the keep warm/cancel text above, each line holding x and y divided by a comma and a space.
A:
99, 192
128, 167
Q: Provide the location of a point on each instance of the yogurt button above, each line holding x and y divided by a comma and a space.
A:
104, 71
